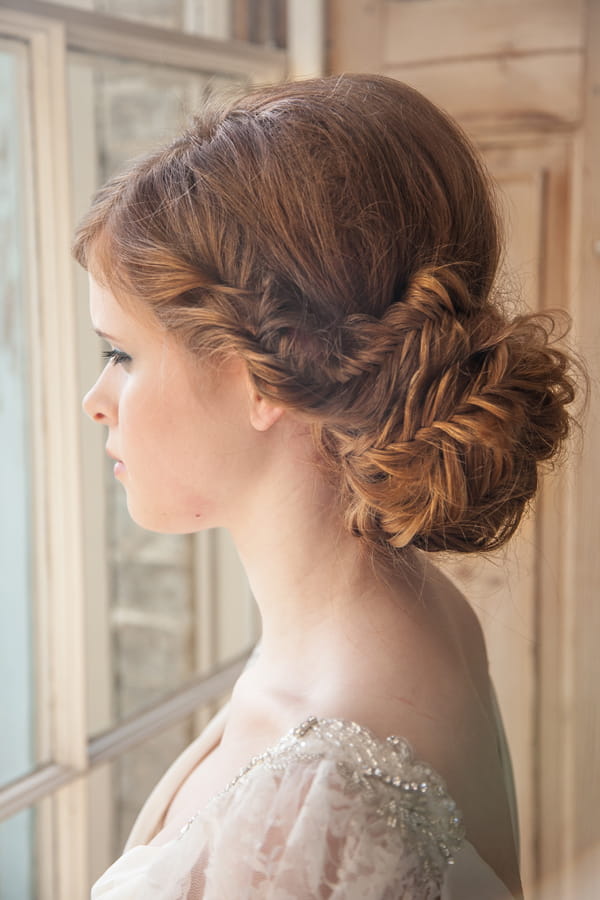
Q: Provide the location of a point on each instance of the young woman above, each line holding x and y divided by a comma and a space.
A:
306, 350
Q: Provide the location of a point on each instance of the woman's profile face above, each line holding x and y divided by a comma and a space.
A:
179, 430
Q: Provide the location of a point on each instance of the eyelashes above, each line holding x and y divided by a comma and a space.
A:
117, 356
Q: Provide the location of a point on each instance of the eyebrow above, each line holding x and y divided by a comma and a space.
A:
107, 337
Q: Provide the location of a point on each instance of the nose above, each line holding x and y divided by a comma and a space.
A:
97, 403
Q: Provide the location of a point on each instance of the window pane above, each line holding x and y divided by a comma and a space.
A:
166, 13
118, 790
17, 857
17, 752
255, 21
142, 598
131, 106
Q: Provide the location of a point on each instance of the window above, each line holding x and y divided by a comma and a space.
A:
115, 644
17, 652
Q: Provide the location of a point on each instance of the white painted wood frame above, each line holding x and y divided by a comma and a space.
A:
59, 786
59, 611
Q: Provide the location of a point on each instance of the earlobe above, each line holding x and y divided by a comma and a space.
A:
263, 412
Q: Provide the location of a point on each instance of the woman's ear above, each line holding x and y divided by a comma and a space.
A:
263, 412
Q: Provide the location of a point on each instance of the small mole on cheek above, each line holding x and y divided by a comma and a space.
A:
198, 515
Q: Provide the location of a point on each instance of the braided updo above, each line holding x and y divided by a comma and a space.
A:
340, 235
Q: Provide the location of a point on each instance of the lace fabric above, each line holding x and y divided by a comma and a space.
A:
329, 812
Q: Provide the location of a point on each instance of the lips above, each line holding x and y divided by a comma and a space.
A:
112, 456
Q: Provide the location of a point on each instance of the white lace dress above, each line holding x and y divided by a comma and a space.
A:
329, 812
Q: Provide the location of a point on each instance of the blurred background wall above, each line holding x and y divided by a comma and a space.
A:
523, 78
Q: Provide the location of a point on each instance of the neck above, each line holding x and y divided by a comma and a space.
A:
317, 589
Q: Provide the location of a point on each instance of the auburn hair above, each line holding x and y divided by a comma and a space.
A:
341, 236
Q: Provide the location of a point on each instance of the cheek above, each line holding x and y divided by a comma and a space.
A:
140, 412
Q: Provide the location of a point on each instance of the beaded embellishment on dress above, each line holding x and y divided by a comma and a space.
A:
404, 792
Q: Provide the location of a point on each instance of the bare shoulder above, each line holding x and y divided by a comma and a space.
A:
462, 626
423, 673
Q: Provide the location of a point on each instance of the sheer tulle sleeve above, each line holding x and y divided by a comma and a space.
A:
331, 812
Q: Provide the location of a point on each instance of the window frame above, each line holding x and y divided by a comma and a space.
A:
60, 786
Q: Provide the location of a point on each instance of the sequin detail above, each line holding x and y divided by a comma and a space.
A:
406, 793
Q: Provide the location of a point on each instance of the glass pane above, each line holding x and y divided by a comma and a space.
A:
142, 602
258, 21
17, 752
118, 790
255, 21
133, 106
17, 857
164, 13
210, 18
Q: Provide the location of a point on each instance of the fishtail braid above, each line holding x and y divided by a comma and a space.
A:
454, 465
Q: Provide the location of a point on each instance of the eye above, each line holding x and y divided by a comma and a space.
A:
117, 356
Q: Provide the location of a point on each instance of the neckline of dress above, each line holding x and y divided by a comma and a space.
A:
296, 734
400, 746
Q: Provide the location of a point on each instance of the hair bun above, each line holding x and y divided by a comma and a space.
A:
462, 414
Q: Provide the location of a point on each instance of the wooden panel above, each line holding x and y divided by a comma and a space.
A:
523, 200
436, 30
547, 164
502, 587
501, 590
512, 72
537, 92
354, 35
306, 38
582, 526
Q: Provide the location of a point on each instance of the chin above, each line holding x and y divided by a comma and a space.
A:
161, 522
